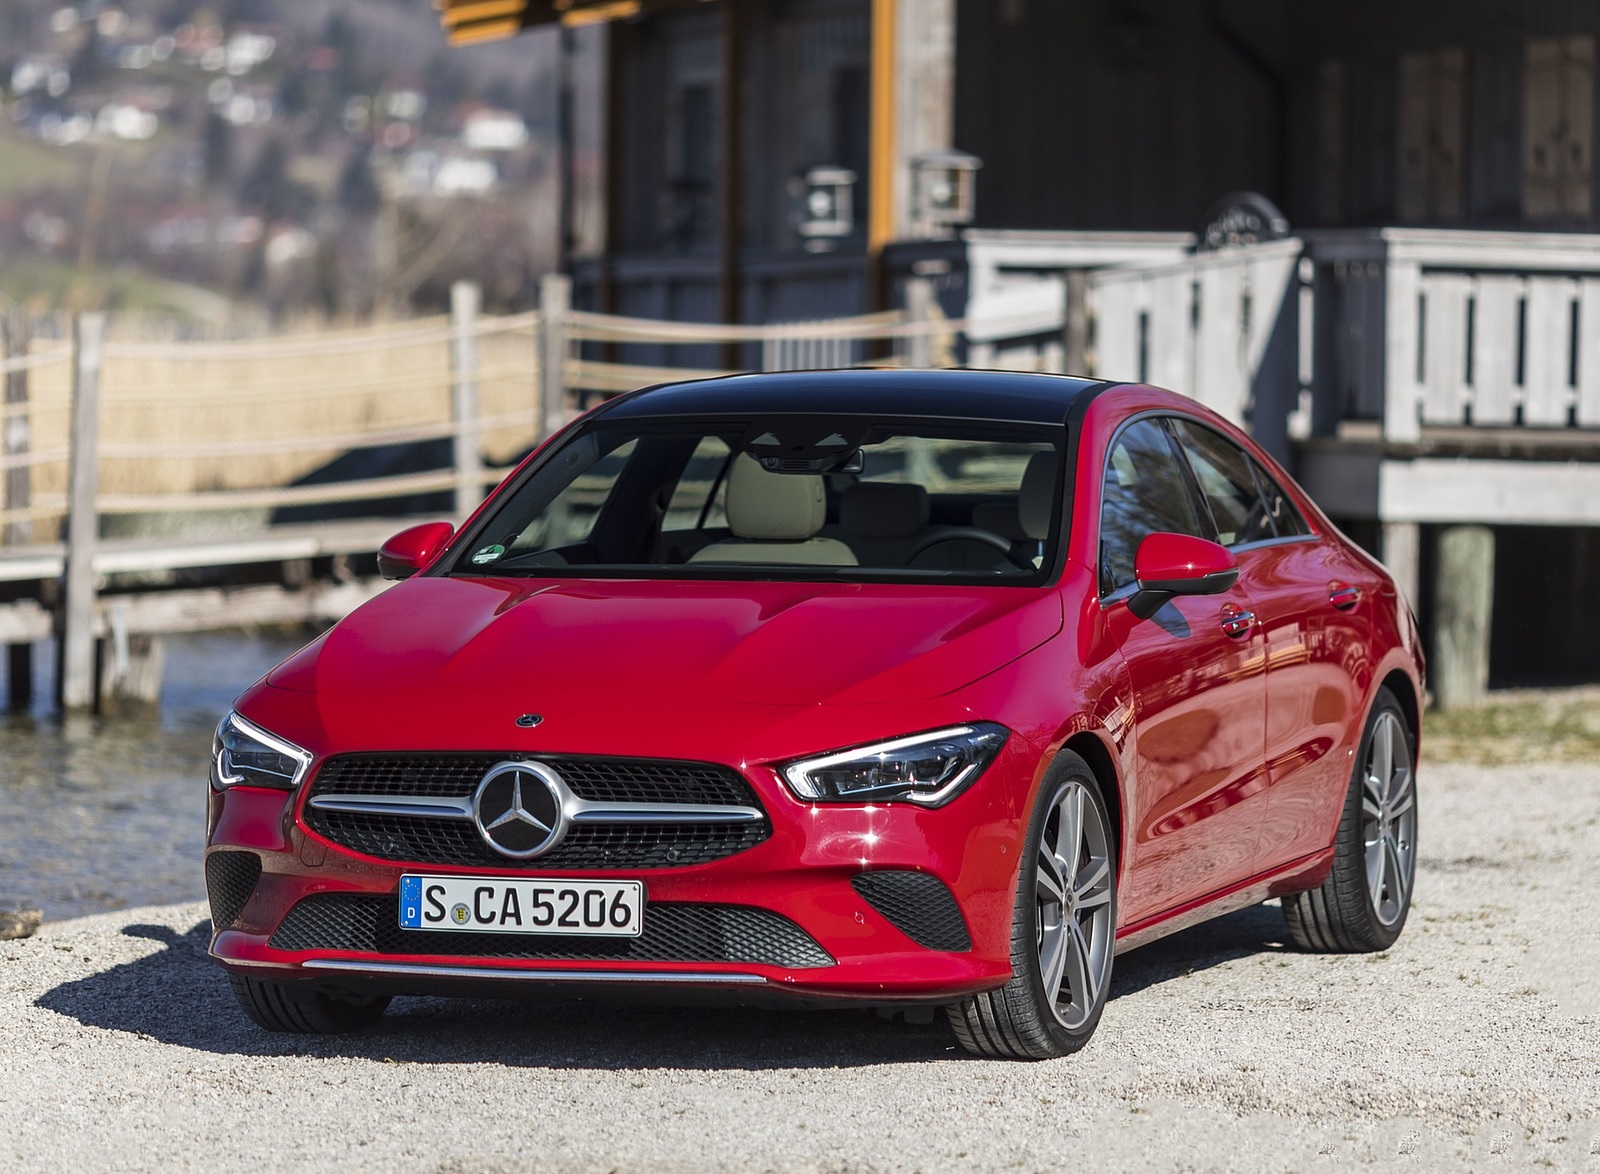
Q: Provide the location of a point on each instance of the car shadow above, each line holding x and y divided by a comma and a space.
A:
1259, 929
178, 995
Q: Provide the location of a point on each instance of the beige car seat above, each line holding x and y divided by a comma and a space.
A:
775, 518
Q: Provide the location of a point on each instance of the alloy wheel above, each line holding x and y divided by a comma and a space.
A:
1073, 893
1388, 820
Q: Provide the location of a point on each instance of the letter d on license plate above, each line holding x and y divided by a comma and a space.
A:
537, 905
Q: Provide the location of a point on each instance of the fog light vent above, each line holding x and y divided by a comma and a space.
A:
918, 905
230, 879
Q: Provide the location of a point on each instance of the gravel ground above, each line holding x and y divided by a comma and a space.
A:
1472, 1045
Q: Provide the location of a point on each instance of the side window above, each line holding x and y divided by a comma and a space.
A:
1286, 516
1145, 492
1222, 470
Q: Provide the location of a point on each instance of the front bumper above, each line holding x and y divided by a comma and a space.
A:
881, 904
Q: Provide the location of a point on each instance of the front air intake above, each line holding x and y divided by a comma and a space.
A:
918, 905
230, 879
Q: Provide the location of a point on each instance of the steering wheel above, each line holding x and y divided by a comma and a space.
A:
968, 534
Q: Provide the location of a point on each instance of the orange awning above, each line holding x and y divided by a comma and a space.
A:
468, 21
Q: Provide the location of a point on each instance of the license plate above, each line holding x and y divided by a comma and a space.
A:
534, 905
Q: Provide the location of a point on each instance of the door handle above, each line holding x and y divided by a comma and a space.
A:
1236, 621
1343, 596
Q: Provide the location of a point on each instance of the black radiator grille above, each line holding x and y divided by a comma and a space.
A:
230, 879
369, 924
600, 780
442, 840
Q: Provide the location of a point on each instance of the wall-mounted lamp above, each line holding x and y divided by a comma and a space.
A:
943, 189
821, 205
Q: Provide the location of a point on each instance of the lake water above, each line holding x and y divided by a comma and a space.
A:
99, 815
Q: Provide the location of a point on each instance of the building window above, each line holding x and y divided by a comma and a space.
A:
1432, 103
1558, 128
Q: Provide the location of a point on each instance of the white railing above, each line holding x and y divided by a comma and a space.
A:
1466, 329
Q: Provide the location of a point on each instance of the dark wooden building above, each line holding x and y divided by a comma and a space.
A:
1423, 346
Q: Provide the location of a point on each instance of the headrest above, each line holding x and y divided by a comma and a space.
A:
1038, 494
883, 509
998, 517
774, 507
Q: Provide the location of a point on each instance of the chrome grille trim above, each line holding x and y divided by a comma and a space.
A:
652, 976
577, 810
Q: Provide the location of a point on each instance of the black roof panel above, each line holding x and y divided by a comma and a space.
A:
973, 395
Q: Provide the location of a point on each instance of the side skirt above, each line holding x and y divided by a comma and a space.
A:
1294, 877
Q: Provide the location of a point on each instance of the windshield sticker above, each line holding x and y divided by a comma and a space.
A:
488, 554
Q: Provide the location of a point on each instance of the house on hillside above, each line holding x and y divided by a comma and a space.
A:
1404, 305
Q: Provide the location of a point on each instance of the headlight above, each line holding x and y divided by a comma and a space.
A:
243, 754
929, 769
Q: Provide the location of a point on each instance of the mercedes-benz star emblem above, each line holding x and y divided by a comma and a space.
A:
517, 809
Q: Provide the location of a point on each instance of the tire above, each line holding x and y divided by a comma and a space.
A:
1362, 906
1063, 937
302, 1009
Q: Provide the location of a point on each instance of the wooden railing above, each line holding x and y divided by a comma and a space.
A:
1424, 327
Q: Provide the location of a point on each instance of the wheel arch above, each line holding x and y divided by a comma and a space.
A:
1093, 750
1399, 683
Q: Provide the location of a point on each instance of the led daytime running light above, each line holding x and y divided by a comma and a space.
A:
276, 762
927, 769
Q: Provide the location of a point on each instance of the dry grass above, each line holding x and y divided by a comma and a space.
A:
1517, 726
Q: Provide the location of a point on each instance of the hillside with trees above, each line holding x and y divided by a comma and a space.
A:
269, 158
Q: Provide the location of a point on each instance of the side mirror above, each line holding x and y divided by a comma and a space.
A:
410, 550
1178, 564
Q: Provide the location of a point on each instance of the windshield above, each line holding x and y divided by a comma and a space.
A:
797, 497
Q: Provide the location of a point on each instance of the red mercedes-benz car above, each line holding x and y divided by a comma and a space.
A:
895, 688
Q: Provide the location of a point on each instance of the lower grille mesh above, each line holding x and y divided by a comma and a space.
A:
230, 879
918, 905
369, 924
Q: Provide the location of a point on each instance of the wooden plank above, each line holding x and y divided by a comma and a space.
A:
24, 622
1589, 352
1444, 347
1330, 141
464, 300
1171, 341
1577, 181
1413, 137
1115, 306
1446, 173
1547, 395
1491, 492
207, 609
75, 680
1496, 312
1219, 381
555, 300
1542, 116
17, 481
1400, 389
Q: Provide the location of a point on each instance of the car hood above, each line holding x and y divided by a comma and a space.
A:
617, 643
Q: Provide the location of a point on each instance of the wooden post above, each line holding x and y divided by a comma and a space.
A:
464, 301
17, 490
919, 312
1463, 600
1402, 286
75, 678
1075, 328
555, 300
1402, 554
